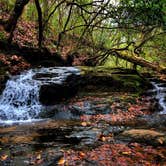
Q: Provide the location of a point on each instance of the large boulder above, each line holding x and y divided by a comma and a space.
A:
53, 93
96, 78
114, 79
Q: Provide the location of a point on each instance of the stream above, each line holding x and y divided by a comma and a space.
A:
160, 90
19, 101
29, 128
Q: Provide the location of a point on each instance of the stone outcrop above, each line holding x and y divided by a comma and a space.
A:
147, 136
53, 93
99, 77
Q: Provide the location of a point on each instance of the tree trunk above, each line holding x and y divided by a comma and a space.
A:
40, 34
140, 61
12, 22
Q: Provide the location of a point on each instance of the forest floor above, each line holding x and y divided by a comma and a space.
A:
112, 128
93, 128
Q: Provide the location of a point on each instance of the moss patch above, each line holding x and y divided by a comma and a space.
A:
116, 79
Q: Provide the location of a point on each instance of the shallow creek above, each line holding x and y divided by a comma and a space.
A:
27, 128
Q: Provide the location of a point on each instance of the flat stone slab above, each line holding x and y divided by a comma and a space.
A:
145, 135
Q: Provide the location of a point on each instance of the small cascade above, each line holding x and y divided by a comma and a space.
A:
20, 99
160, 89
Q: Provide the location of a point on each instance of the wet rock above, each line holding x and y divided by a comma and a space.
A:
92, 109
3, 80
162, 84
51, 94
41, 76
71, 112
147, 136
104, 78
86, 137
114, 129
155, 120
150, 92
18, 151
55, 159
157, 80
59, 112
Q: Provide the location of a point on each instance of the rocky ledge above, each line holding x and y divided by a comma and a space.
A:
125, 80
53, 93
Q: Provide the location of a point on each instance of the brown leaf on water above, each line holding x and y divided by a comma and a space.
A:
161, 140
82, 155
4, 157
38, 157
102, 138
61, 161
126, 153
84, 124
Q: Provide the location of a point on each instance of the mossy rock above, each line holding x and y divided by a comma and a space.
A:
101, 70
117, 79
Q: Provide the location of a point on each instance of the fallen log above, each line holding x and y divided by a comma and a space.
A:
140, 61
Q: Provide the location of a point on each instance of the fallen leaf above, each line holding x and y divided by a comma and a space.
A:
81, 154
61, 161
126, 153
103, 138
84, 124
38, 157
4, 157
160, 140
39, 161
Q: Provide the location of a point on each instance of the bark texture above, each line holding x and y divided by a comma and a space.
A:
12, 22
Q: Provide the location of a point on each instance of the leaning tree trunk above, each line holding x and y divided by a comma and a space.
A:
140, 61
12, 22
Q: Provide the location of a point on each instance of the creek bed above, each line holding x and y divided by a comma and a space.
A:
98, 120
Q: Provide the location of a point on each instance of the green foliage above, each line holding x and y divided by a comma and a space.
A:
30, 13
106, 24
143, 12
2, 35
8, 4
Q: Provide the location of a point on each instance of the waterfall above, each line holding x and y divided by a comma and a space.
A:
20, 99
160, 89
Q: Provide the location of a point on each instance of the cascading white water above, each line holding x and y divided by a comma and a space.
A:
20, 99
160, 95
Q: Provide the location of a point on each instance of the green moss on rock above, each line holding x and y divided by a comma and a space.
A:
117, 79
